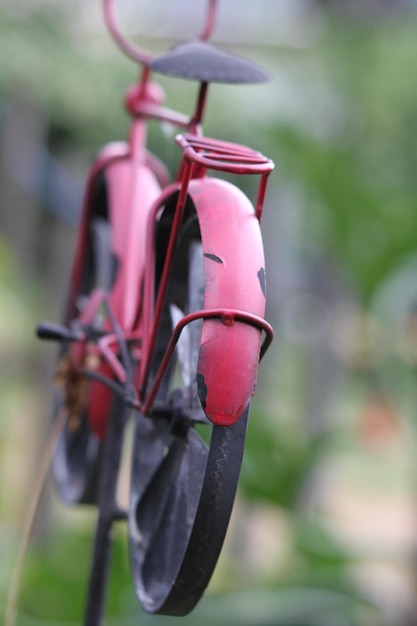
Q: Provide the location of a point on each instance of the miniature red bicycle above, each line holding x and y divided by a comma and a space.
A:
165, 317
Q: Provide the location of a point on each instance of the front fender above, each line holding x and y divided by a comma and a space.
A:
234, 278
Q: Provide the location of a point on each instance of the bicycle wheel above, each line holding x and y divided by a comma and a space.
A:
77, 454
184, 471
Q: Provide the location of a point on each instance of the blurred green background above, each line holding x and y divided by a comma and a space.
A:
323, 531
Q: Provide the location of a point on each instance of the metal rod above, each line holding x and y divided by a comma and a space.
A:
201, 104
177, 220
134, 52
108, 513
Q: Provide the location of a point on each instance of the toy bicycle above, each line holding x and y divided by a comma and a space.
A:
165, 320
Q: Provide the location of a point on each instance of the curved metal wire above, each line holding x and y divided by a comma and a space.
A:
210, 21
135, 52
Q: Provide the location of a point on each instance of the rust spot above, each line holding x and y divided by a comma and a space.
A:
213, 257
262, 280
75, 388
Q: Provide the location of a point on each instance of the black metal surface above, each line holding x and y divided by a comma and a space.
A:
108, 512
212, 517
55, 332
76, 461
181, 501
199, 60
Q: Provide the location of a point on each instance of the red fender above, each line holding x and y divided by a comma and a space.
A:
111, 154
234, 269
131, 190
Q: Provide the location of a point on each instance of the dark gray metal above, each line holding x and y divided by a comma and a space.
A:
199, 60
76, 461
181, 501
108, 512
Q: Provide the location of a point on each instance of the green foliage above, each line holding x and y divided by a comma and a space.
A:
55, 580
277, 462
40, 57
55, 583
354, 156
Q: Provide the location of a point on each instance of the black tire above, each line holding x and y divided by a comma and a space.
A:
76, 459
183, 481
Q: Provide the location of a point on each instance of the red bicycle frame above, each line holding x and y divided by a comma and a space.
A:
160, 265
234, 302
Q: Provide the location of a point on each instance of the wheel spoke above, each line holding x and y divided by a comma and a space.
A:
174, 487
164, 513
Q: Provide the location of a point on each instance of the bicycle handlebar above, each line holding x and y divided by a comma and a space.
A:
135, 52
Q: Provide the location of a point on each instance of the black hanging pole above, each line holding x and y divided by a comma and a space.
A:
108, 512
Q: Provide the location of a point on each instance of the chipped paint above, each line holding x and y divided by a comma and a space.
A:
213, 257
202, 390
262, 280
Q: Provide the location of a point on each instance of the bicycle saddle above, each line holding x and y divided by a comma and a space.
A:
198, 60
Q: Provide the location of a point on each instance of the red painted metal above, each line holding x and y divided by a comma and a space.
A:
210, 20
157, 312
138, 189
228, 317
134, 52
132, 191
114, 343
112, 153
229, 354
229, 228
132, 188
147, 321
138, 54
223, 155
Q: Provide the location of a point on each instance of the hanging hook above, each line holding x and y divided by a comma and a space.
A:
210, 20
135, 52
